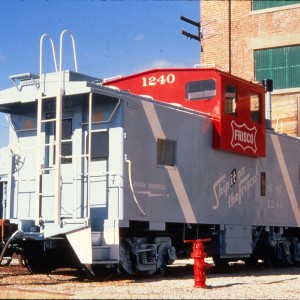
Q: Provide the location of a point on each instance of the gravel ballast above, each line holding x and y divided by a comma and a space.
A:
234, 282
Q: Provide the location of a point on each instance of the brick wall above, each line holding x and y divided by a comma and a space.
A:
249, 31
285, 111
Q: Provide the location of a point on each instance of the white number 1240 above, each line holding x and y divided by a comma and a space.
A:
152, 80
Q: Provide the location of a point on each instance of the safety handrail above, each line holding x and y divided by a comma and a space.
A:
132, 189
61, 48
39, 123
58, 126
7, 244
41, 53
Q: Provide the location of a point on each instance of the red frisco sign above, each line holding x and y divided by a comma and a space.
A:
243, 136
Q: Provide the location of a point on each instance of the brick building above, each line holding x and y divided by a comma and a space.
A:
258, 39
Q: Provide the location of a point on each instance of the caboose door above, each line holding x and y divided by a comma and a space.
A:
69, 174
98, 177
67, 181
61, 183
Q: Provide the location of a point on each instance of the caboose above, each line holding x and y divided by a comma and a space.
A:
116, 174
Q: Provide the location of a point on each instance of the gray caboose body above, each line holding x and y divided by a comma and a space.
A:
99, 177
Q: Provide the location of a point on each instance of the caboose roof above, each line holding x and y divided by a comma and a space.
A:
184, 72
26, 87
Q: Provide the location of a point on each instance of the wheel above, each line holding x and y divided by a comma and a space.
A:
126, 262
103, 272
36, 267
38, 264
166, 254
272, 260
220, 262
251, 261
22, 260
160, 271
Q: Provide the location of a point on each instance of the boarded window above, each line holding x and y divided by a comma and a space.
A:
282, 65
263, 4
165, 152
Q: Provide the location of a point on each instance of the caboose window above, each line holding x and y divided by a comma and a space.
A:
203, 89
66, 142
166, 152
255, 107
230, 100
99, 145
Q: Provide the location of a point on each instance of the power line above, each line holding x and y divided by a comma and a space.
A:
197, 37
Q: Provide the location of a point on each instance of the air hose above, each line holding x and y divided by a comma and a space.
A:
7, 244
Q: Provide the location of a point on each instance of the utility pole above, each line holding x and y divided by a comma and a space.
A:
197, 37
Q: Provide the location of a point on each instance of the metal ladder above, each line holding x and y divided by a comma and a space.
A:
58, 129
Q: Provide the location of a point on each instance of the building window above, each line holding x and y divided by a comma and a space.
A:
282, 65
165, 152
202, 89
263, 4
230, 100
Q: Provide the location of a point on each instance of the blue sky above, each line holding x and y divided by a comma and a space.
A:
112, 37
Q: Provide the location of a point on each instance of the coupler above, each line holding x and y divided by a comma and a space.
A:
200, 266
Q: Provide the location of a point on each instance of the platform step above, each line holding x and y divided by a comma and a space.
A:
101, 253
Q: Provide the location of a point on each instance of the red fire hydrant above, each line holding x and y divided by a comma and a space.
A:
200, 266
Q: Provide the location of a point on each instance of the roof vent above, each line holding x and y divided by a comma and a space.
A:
25, 79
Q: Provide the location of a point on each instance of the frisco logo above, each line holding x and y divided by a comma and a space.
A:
243, 136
